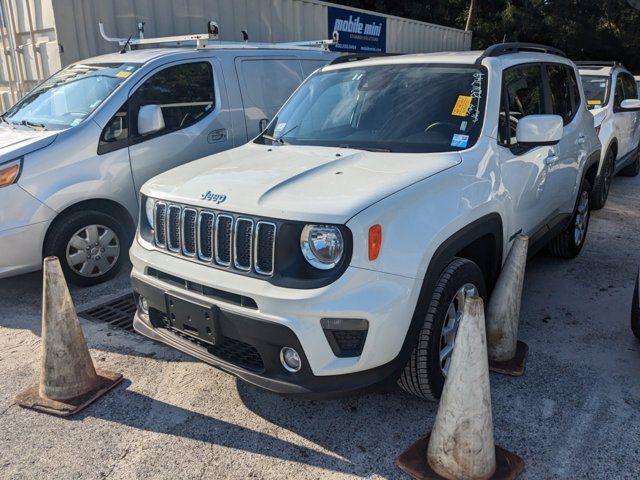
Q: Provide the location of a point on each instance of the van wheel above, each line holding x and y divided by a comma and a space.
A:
600, 191
91, 246
429, 363
633, 169
570, 241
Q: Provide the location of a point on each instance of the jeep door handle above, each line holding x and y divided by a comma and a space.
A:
551, 159
582, 139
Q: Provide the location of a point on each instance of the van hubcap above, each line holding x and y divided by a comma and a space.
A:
451, 324
93, 250
582, 218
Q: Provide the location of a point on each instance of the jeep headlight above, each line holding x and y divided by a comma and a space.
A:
322, 245
149, 210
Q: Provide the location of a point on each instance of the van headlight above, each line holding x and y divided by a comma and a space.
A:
149, 210
10, 172
322, 245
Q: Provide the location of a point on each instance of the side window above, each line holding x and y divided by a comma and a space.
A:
184, 93
523, 94
115, 134
575, 91
629, 86
619, 92
560, 92
266, 84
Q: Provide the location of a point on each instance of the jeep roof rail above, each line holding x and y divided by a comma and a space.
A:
202, 40
513, 47
592, 63
354, 57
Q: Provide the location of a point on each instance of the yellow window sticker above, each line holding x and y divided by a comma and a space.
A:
462, 105
594, 102
123, 74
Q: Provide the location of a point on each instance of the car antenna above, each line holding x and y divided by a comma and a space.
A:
126, 44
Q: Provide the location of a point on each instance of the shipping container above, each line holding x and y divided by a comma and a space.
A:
41, 36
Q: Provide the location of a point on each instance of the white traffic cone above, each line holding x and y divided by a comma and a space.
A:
68, 379
461, 444
506, 354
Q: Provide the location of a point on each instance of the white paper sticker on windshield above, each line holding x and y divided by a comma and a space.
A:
279, 127
463, 125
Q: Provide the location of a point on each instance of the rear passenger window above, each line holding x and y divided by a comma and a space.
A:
184, 93
560, 89
523, 94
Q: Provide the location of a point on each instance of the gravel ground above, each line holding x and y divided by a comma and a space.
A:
575, 413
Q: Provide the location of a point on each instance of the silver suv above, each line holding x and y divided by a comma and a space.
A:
76, 150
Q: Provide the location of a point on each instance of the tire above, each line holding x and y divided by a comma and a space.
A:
600, 191
567, 244
66, 237
635, 310
633, 169
423, 375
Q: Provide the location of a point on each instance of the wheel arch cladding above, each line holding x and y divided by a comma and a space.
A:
591, 168
106, 206
467, 242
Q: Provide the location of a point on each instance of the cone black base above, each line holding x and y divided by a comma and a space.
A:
514, 367
413, 462
31, 398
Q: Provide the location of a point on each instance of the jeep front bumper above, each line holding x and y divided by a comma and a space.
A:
257, 319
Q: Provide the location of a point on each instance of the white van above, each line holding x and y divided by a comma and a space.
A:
75, 151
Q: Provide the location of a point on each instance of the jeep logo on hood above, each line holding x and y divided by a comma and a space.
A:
209, 196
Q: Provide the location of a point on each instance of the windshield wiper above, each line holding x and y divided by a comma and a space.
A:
274, 139
33, 125
367, 149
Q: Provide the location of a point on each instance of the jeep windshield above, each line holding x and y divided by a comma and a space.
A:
412, 108
596, 90
68, 97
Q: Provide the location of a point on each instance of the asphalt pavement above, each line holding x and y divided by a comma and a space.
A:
574, 414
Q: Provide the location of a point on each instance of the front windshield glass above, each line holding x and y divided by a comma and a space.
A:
596, 90
399, 108
69, 96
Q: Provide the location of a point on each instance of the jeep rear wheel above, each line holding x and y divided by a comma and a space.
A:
600, 191
570, 241
428, 365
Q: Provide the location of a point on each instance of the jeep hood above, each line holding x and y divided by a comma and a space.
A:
17, 142
321, 184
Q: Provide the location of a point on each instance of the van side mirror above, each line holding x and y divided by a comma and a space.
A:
264, 123
539, 130
150, 119
630, 105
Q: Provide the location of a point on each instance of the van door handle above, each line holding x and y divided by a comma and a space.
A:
582, 139
551, 159
217, 135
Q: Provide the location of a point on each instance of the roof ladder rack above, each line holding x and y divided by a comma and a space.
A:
202, 40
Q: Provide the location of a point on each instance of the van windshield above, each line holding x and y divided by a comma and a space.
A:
415, 108
69, 96
596, 90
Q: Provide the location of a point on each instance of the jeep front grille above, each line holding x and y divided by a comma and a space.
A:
234, 242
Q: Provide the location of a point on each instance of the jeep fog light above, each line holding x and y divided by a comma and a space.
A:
322, 245
143, 304
290, 359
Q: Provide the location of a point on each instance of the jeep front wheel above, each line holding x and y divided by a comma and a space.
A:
429, 363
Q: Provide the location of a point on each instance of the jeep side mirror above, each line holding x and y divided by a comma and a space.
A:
538, 130
150, 119
630, 105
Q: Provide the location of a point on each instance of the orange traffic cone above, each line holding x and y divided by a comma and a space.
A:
68, 380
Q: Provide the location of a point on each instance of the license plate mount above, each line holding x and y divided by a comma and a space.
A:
194, 319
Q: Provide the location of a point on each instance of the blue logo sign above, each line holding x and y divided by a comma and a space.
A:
359, 32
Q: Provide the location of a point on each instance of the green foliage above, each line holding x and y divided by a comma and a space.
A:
585, 29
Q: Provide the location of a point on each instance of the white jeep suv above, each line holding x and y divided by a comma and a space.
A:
612, 97
334, 252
